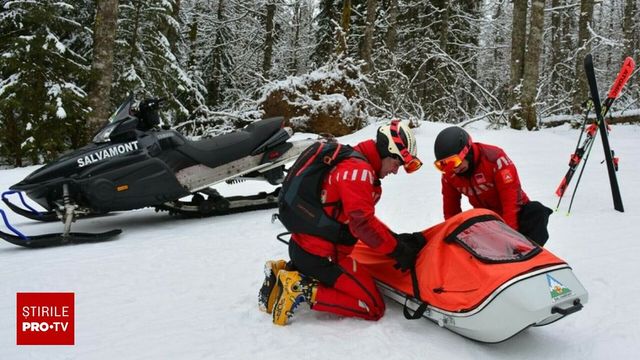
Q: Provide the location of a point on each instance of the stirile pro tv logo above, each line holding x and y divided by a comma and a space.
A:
45, 318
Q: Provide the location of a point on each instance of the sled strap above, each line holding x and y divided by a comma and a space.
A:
417, 314
281, 235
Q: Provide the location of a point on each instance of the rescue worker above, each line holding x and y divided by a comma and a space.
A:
321, 272
489, 179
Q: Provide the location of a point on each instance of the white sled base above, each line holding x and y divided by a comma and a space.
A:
536, 298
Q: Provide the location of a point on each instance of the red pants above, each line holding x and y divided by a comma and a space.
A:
344, 289
353, 294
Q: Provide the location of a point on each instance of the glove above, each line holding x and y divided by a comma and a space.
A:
404, 255
407, 249
415, 240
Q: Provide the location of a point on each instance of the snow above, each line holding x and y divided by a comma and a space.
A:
172, 288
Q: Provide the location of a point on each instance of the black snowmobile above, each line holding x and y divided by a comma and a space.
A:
132, 164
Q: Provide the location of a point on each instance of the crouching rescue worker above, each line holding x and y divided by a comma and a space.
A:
486, 175
327, 203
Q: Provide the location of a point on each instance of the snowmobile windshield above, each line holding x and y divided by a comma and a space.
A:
122, 113
493, 241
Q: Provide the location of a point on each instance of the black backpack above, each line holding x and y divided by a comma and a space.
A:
299, 207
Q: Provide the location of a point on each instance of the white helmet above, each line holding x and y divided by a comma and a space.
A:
396, 139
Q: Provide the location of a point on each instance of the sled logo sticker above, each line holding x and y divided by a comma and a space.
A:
557, 290
107, 153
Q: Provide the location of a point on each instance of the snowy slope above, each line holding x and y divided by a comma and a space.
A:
169, 288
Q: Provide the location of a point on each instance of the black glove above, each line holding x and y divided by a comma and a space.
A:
415, 240
404, 256
407, 249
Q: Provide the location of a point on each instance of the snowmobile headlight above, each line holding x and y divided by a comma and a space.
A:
103, 135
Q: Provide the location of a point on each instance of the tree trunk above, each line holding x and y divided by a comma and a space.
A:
133, 42
581, 91
628, 23
297, 18
193, 37
214, 85
345, 27
367, 43
532, 63
444, 26
172, 35
518, 38
268, 40
391, 37
102, 64
556, 43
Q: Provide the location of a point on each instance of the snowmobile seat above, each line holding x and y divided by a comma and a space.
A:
233, 146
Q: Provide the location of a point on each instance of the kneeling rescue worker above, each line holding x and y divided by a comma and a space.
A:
327, 211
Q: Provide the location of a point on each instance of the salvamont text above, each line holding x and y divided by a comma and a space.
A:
107, 153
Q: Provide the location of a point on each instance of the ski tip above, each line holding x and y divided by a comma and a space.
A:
629, 62
588, 58
623, 76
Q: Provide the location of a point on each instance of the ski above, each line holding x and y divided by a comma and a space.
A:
49, 240
621, 80
592, 130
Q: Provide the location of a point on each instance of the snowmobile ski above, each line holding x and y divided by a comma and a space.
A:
49, 240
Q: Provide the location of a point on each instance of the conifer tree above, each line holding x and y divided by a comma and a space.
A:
145, 63
42, 101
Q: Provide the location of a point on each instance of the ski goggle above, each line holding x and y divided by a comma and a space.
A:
449, 163
409, 162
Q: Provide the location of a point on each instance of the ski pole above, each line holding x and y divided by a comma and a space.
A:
576, 156
575, 188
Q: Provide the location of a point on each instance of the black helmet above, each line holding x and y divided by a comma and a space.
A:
450, 141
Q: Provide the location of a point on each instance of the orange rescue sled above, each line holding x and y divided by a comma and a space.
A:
479, 278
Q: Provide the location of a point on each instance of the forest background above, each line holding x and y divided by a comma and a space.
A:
327, 66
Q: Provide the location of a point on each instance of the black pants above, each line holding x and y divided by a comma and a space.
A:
317, 267
532, 221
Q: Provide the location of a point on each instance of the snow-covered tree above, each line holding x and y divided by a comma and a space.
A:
42, 100
145, 62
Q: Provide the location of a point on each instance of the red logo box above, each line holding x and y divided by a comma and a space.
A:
45, 318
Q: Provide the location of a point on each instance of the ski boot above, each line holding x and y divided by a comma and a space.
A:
269, 291
293, 289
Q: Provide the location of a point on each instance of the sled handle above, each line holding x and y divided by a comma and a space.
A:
417, 314
577, 306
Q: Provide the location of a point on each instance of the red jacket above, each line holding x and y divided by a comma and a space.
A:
493, 184
355, 184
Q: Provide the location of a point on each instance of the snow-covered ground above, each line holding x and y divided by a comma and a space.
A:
170, 288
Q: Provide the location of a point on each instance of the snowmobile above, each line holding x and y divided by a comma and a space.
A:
131, 163
479, 278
